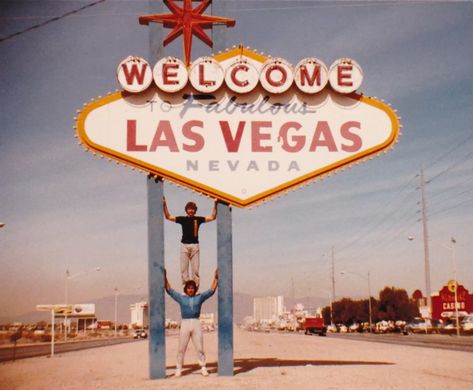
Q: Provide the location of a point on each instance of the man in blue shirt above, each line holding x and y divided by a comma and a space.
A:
191, 304
190, 249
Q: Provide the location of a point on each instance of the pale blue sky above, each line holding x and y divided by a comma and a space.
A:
65, 208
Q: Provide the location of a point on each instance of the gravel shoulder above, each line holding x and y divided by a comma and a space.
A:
262, 360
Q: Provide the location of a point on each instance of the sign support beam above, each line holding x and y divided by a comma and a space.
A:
155, 190
157, 336
224, 245
225, 290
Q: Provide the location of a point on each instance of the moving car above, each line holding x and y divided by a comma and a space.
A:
314, 325
140, 334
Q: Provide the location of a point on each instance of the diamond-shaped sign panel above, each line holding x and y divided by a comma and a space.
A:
239, 148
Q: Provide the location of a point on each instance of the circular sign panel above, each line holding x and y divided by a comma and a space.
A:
206, 75
451, 285
276, 75
311, 75
241, 77
345, 75
170, 74
134, 74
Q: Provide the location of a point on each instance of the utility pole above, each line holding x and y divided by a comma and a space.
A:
116, 310
426, 239
66, 300
333, 274
369, 303
293, 296
333, 286
457, 320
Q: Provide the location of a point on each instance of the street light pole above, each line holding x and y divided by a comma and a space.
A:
333, 287
453, 242
65, 303
68, 276
369, 301
116, 305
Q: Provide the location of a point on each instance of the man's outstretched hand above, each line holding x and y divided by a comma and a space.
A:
167, 286
215, 281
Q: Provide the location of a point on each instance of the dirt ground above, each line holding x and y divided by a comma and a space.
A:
262, 361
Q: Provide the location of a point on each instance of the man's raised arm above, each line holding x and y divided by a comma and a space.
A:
215, 281
212, 216
168, 216
167, 285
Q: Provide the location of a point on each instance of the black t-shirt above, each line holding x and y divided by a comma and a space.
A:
190, 228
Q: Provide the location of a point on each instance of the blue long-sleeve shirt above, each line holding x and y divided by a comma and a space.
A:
190, 306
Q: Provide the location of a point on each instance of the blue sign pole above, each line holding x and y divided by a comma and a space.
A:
224, 244
157, 314
225, 290
157, 336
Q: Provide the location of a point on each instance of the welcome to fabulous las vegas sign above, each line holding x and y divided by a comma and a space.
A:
238, 126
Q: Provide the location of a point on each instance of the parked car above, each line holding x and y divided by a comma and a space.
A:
332, 329
140, 334
342, 328
422, 325
355, 327
467, 324
449, 327
382, 327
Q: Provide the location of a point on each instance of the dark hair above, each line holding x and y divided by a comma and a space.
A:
190, 205
190, 283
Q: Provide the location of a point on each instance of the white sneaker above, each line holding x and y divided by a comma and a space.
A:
204, 371
178, 373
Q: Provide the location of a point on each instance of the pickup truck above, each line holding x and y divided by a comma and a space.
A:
314, 325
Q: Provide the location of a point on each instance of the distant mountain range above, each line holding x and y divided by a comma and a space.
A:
105, 308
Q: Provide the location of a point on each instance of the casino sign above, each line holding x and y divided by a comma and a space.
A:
443, 303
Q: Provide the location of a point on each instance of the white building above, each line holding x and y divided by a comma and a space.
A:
267, 309
139, 315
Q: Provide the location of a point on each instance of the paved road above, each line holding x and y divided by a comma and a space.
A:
442, 341
44, 349
450, 342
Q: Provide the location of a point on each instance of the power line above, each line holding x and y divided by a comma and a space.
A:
365, 232
54, 19
391, 232
388, 239
461, 143
451, 193
319, 4
384, 244
436, 205
454, 165
453, 207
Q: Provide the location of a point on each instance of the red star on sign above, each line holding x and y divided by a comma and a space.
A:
187, 21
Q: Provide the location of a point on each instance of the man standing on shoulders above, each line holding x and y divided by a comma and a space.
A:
191, 304
190, 251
